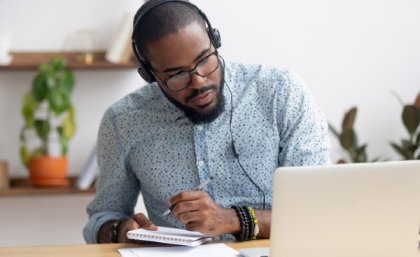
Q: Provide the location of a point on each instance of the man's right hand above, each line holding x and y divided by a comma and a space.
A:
137, 221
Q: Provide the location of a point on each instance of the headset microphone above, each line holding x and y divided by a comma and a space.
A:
234, 149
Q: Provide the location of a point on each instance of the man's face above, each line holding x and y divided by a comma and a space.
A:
178, 52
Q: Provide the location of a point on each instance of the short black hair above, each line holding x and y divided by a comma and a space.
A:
162, 20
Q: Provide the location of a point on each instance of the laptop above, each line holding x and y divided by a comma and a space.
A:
345, 210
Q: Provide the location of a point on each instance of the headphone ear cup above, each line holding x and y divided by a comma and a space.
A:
214, 34
145, 73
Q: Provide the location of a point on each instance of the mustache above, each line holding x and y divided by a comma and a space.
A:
202, 90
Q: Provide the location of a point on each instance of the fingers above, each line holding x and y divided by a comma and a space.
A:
189, 202
197, 211
143, 222
189, 216
137, 221
186, 196
186, 201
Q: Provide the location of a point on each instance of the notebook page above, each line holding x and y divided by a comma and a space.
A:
208, 250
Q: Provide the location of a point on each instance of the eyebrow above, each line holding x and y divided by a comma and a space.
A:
201, 55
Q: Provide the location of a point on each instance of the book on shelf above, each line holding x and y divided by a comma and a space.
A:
120, 50
89, 172
168, 235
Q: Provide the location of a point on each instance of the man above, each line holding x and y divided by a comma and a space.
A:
202, 118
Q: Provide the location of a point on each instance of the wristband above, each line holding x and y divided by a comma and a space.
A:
114, 229
256, 229
246, 224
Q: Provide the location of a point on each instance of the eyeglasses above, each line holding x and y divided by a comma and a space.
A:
204, 68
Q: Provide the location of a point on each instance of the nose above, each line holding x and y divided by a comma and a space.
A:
197, 81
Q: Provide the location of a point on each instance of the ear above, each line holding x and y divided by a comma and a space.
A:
149, 78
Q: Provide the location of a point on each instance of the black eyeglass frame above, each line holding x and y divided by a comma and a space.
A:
191, 72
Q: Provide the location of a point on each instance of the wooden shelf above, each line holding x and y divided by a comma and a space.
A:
22, 187
31, 60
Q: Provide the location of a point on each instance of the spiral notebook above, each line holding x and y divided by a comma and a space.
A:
169, 236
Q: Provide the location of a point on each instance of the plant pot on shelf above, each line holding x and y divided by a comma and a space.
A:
49, 124
48, 171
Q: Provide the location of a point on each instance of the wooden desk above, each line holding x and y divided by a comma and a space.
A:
99, 250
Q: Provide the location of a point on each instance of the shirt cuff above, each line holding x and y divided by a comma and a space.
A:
90, 231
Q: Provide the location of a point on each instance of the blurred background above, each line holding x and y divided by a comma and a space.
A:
349, 53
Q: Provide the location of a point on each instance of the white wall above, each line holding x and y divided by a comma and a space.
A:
348, 52
41, 220
45, 219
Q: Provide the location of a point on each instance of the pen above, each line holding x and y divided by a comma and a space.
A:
199, 188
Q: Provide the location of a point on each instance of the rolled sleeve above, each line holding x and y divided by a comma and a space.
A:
90, 231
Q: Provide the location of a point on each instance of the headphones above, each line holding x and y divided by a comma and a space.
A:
144, 68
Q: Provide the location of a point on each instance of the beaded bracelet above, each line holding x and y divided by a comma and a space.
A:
250, 221
249, 224
241, 235
246, 224
256, 229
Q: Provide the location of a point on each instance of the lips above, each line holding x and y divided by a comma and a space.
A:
203, 99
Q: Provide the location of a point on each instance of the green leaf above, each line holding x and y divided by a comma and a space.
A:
333, 130
64, 143
51, 83
67, 81
24, 155
361, 154
59, 101
401, 151
44, 68
58, 63
418, 140
42, 128
347, 139
38, 152
349, 119
72, 113
69, 127
29, 108
39, 87
405, 143
411, 118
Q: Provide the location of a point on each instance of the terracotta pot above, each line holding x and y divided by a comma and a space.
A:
47, 171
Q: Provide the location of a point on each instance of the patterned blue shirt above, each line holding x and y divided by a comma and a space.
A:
146, 144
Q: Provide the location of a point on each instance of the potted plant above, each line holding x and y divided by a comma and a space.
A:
409, 148
49, 124
348, 139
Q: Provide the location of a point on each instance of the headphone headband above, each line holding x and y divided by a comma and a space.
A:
144, 68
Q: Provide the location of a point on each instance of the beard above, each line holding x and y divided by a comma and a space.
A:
198, 117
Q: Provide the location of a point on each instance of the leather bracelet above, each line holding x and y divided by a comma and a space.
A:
114, 229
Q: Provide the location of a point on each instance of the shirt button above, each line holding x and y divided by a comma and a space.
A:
200, 163
199, 128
